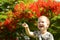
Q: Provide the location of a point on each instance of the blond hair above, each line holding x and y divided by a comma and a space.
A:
47, 19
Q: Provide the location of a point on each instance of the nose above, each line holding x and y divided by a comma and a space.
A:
40, 23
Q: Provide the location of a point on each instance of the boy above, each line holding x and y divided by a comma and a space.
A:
42, 34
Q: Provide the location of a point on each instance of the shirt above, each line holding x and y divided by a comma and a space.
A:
45, 36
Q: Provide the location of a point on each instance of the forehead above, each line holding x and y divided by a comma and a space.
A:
42, 19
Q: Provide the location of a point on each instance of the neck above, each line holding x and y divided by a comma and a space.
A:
43, 31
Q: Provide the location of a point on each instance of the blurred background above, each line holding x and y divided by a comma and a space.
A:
15, 12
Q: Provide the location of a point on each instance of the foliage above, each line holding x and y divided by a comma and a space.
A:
14, 12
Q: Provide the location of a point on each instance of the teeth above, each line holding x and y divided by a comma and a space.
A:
40, 26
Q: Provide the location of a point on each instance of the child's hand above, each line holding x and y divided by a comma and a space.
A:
25, 25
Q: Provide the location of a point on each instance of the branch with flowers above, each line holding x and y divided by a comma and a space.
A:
29, 13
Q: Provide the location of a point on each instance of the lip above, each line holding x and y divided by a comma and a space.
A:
41, 26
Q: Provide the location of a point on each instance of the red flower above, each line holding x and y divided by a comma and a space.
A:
16, 14
40, 3
22, 6
38, 14
17, 7
22, 15
7, 21
11, 27
1, 23
30, 15
33, 7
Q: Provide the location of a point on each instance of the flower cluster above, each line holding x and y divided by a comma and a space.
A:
43, 7
31, 10
39, 8
20, 11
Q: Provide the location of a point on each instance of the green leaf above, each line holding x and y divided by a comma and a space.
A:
3, 16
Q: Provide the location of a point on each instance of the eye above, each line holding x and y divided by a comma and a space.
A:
42, 21
38, 22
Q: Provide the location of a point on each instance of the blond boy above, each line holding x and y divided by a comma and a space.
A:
42, 34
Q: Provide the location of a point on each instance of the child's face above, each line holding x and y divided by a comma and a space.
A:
42, 23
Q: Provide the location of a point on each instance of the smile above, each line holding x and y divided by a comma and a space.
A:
41, 26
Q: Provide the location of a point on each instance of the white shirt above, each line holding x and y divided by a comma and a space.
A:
45, 36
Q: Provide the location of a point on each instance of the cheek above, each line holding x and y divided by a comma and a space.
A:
45, 25
38, 24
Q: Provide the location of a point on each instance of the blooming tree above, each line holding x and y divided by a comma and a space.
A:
29, 13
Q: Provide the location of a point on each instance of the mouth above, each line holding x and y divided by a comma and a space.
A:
41, 26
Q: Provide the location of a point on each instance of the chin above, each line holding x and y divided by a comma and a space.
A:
41, 29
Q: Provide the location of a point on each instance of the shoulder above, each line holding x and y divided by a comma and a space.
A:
50, 36
48, 33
